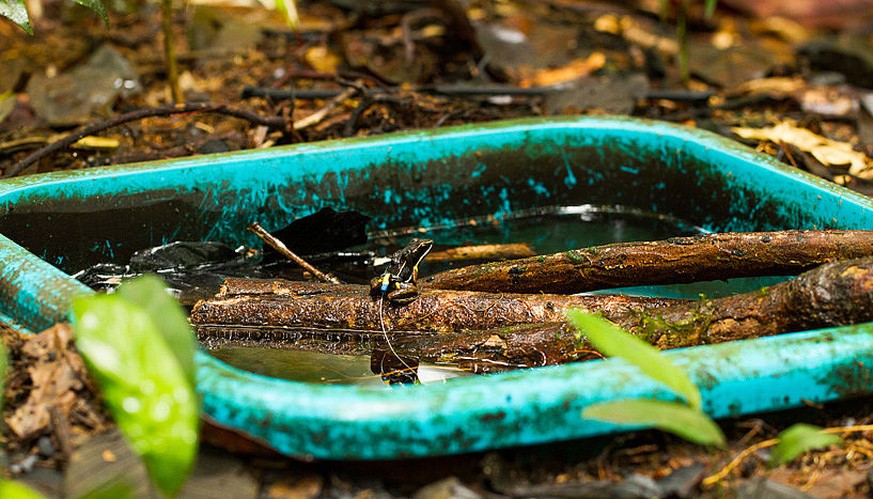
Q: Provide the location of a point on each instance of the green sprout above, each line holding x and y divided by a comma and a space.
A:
685, 419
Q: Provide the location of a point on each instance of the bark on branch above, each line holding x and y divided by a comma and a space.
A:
834, 294
526, 330
673, 261
279, 303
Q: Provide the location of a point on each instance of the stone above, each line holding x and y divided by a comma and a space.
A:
87, 90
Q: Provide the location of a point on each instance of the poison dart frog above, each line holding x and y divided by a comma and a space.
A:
397, 283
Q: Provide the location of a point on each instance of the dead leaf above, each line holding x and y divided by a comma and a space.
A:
828, 152
56, 375
93, 143
827, 101
777, 87
320, 58
570, 72
636, 31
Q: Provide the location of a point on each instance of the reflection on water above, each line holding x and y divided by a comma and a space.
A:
548, 230
320, 368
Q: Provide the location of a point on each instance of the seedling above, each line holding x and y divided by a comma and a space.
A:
800, 438
683, 418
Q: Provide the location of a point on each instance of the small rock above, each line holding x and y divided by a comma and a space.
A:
850, 56
616, 95
447, 488
45, 447
760, 488
92, 88
24, 466
213, 146
636, 485
683, 481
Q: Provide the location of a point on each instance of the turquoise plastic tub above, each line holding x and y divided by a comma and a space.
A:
65, 221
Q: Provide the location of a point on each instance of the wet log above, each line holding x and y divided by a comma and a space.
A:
472, 328
280, 303
834, 294
673, 261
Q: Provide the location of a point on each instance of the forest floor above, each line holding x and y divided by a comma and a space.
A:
799, 92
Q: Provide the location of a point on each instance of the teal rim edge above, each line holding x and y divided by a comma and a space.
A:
477, 413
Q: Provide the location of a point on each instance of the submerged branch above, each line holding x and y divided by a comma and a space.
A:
673, 261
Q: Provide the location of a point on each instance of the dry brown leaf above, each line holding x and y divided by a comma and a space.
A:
779, 86
828, 152
321, 59
579, 68
55, 377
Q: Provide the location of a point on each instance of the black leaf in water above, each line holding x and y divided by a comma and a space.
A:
322, 232
186, 255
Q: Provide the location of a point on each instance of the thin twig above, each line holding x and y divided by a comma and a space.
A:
849, 429
318, 116
724, 472
279, 246
168, 110
718, 477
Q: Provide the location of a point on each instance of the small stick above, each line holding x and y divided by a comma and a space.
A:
318, 116
279, 246
275, 122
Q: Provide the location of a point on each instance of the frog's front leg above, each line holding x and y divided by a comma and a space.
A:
403, 293
381, 285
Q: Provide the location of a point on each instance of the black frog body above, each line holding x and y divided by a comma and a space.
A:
398, 282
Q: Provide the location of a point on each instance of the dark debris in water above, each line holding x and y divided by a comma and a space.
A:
191, 269
324, 231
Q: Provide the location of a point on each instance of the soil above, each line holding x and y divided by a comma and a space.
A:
398, 66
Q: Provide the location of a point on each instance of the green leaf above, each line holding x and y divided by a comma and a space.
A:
16, 11
144, 387
10, 489
691, 424
614, 341
149, 292
799, 438
96, 6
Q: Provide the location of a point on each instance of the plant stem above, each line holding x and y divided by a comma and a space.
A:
682, 35
170, 51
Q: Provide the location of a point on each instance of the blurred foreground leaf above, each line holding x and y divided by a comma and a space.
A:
143, 383
16, 11
96, 6
10, 489
614, 341
149, 292
681, 420
288, 8
799, 438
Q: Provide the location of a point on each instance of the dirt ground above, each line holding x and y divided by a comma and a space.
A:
799, 89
